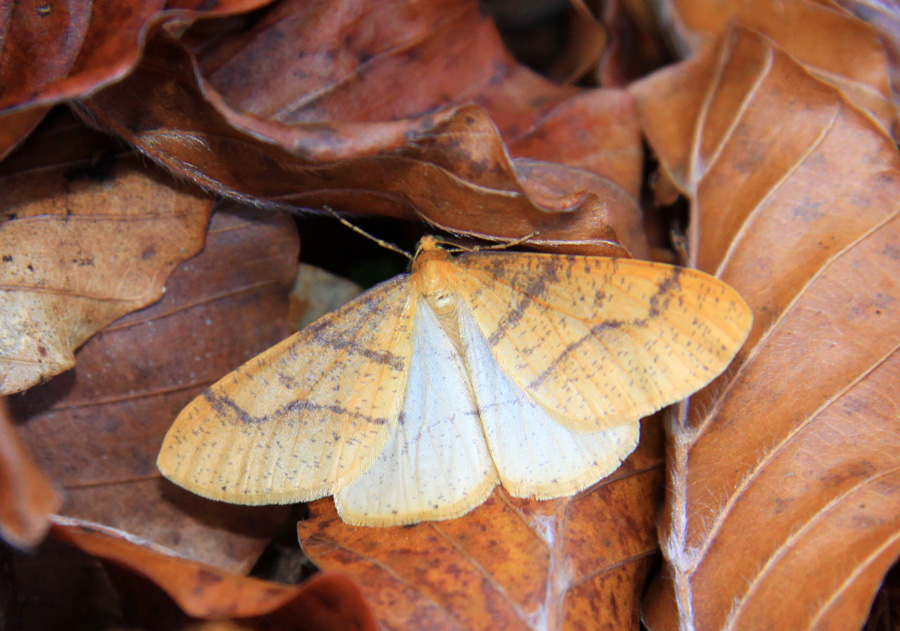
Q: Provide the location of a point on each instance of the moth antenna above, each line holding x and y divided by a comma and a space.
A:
355, 228
510, 244
456, 248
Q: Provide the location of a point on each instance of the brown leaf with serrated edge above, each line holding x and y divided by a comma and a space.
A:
573, 563
97, 429
326, 602
783, 506
26, 497
372, 97
80, 47
854, 59
87, 235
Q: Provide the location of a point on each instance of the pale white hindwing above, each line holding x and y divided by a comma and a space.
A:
436, 463
535, 455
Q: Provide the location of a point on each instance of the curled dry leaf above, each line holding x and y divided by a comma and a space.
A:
26, 497
97, 429
326, 602
581, 47
636, 46
357, 110
55, 52
854, 60
574, 563
85, 238
784, 502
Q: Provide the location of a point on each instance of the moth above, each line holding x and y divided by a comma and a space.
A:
413, 401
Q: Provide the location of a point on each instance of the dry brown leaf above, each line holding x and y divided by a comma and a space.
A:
582, 46
326, 602
853, 60
783, 509
97, 429
884, 17
635, 46
573, 563
54, 52
349, 97
87, 235
26, 497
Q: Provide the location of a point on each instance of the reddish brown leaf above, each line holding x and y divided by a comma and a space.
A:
783, 509
350, 97
97, 429
85, 238
327, 602
26, 497
636, 46
558, 138
574, 563
53, 52
582, 47
854, 60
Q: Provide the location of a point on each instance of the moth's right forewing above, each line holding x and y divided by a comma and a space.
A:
304, 418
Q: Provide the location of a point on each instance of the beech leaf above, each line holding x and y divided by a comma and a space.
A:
326, 602
329, 136
97, 429
81, 244
80, 47
855, 60
26, 497
573, 563
782, 509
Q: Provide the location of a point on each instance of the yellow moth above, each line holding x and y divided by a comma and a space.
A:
414, 400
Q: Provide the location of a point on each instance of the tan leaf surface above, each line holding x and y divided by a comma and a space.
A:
85, 238
26, 497
326, 602
783, 509
317, 292
97, 429
53, 52
350, 96
574, 563
854, 59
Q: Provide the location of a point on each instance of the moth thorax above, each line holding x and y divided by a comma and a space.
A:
443, 300
433, 278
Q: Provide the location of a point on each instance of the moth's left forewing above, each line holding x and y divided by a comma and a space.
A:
305, 417
602, 342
